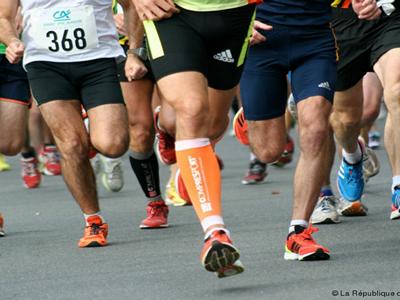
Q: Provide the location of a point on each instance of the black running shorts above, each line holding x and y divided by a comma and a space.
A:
14, 86
93, 82
362, 43
212, 43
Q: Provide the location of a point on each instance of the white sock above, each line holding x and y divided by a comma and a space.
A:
293, 223
353, 158
252, 156
91, 215
211, 221
395, 182
215, 229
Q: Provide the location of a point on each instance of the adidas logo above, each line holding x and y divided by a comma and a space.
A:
225, 56
325, 85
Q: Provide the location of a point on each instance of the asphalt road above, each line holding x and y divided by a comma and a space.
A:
39, 258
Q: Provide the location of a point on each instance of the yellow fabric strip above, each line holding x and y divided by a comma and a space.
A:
153, 39
336, 3
246, 43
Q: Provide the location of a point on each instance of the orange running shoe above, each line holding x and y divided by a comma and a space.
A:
301, 246
2, 233
240, 127
157, 215
95, 234
49, 159
220, 256
165, 144
30, 172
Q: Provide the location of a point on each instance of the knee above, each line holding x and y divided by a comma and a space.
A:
11, 148
348, 119
194, 111
141, 137
112, 146
218, 127
392, 96
370, 114
313, 137
269, 153
74, 147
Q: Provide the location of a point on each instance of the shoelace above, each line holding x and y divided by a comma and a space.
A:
327, 203
52, 157
396, 200
257, 167
116, 172
168, 142
353, 175
94, 229
156, 210
28, 168
306, 234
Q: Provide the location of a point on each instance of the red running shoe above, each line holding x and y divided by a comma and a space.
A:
30, 172
220, 256
240, 127
287, 154
165, 144
301, 246
95, 234
2, 233
157, 215
49, 159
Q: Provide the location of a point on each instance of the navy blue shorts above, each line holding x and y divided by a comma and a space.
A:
308, 53
14, 86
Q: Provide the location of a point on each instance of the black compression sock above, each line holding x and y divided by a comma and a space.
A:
146, 170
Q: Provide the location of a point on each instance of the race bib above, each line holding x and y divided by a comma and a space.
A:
66, 30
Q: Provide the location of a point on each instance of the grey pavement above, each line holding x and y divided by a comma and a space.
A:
39, 258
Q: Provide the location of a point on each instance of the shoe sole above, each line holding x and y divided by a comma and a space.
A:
46, 172
223, 259
153, 227
395, 215
327, 220
93, 244
355, 209
245, 182
235, 120
2, 233
107, 187
317, 255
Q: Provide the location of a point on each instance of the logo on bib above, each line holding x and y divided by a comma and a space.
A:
61, 15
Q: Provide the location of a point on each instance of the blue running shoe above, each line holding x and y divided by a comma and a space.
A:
350, 180
395, 214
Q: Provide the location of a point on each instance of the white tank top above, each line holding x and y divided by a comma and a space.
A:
69, 31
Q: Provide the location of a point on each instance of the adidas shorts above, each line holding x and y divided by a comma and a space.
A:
307, 53
14, 86
212, 43
362, 43
93, 82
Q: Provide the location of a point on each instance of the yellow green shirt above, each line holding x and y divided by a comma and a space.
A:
211, 5
2, 49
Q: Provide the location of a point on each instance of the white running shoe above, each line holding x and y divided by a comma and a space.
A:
112, 176
371, 165
292, 107
96, 164
352, 208
325, 211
